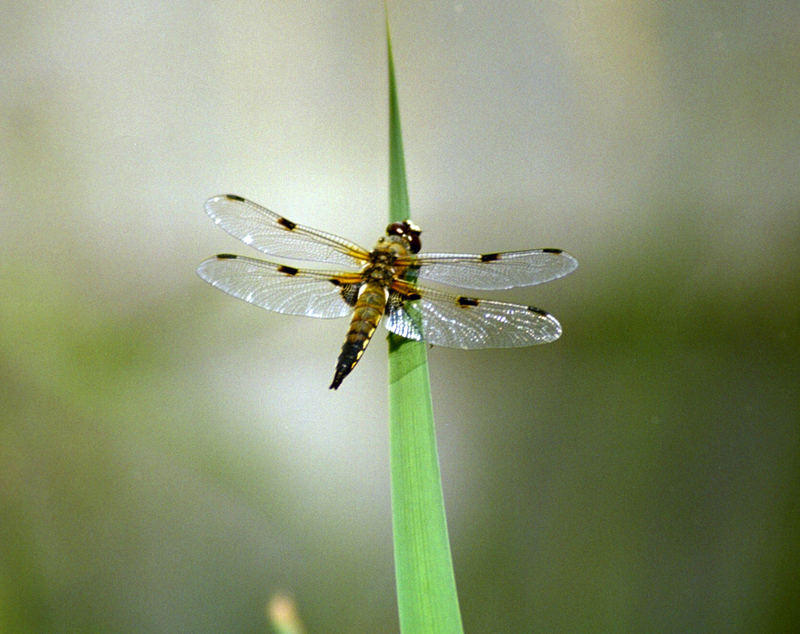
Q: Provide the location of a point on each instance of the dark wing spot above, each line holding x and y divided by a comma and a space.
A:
288, 270
349, 292
467, 301
226, 256
490, 257
556, 251
538, 311
395, 301
235, 197
287, 224
412, 297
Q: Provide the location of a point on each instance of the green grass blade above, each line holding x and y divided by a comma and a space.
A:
399, 208
426, 587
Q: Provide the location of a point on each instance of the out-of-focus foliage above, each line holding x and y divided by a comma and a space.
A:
171, 458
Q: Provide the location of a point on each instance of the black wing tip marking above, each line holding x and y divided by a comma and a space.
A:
288, 270
539, 311
226, 256
286, 223
491, 257
234, 197
556, 331
467, 301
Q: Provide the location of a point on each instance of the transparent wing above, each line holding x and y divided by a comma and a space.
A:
279, 237
495, 271
465, 322
283, 289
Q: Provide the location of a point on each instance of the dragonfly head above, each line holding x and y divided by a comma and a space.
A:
409, 232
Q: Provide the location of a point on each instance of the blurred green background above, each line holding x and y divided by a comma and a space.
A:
171, 457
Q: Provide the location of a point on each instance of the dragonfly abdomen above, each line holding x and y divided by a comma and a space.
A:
369, 309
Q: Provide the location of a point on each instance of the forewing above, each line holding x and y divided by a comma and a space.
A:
495, 271
466, 322
281, 288
279, 237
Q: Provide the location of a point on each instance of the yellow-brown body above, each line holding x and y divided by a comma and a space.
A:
370, 304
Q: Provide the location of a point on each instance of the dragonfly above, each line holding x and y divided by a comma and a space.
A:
384, 284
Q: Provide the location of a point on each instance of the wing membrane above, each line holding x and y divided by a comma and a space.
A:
469, 323
495, 271
280, 288
279, 237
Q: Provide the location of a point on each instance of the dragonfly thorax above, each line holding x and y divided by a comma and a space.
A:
382, 265
381, 272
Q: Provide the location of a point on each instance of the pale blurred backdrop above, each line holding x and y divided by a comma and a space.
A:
171, 457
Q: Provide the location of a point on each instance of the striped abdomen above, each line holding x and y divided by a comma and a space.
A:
369, 309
